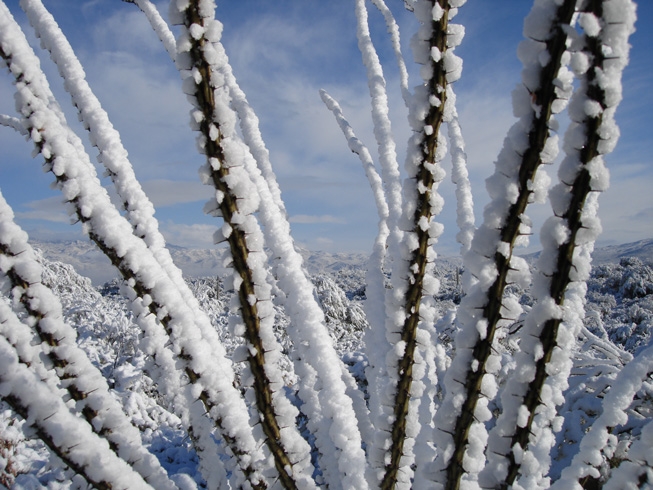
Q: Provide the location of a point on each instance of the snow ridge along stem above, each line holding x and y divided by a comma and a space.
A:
225, 171
588, 156
424, 180
89, 202
494, 243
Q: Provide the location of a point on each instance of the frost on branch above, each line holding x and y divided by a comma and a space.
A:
71, 440
242, 189
89, 202
544, 360
308, 332
238, 200
461, 434
83, 382
375, 340
410, 314
460, 176
405, 428
599, 438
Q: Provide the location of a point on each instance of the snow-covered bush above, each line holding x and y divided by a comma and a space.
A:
467, 395
621, 298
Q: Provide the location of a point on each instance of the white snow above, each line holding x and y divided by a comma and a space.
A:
350, 441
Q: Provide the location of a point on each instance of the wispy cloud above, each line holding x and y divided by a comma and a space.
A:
163, 192
50, 209
306, 219
125, 20
188, 235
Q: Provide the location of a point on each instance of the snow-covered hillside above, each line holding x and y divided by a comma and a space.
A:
88, 261
612, 254
619, 323
108, 334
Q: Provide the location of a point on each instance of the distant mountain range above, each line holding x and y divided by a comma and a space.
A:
642, 249
90, 262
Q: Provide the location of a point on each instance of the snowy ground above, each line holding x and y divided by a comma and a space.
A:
620, 316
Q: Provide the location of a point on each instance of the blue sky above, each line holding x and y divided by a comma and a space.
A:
282, 53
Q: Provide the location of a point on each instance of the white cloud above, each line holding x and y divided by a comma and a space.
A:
163, 192
307, 219
140, 88
485, 119
110, 34
63, 234
145, 103
188, 235
625, 208
322, 243
50, 209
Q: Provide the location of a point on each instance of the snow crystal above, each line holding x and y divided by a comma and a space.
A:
593, 108
453, 65
437, 12
522, 416
550, 150
528, 49
579, 63
481, 327
589, 23
600, 174
196, 31
436, 55
544, 58
455, 34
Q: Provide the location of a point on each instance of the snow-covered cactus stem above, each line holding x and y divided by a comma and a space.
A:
316, 361
212, 382
375, 340
63, 432
470, 382
376, 372
409, 309
79, 377
200, 60
201, 360
111, 153
393, 33
544, 360
159, 25
12, 122
460, 177
637, 470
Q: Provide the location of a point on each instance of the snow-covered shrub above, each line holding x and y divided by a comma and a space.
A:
621, 296
464, 394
